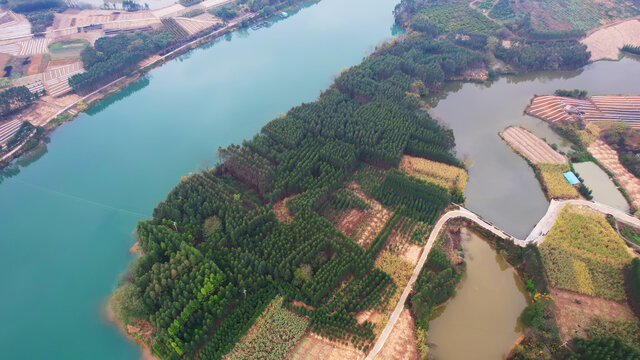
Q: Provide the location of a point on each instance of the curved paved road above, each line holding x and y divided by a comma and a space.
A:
536, 237
423, 257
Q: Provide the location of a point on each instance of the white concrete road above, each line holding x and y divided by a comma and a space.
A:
535, 237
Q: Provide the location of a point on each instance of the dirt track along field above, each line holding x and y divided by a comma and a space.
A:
606, 42
531, 146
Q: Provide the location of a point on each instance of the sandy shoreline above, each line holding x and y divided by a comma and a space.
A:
111, 317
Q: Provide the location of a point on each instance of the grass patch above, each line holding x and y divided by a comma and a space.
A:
272, 336
627, 331
583, 253
67, 45
555, 183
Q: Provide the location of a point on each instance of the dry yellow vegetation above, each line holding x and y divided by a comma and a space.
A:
583, 253
556, 185
400, 271
435, 172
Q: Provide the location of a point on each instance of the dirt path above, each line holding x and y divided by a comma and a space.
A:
416, 271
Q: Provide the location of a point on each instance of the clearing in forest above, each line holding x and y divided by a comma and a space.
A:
438, 173
273, 335
356, 214
583, 253
282, 211
531, 146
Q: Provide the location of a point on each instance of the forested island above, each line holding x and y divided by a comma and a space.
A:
261, 225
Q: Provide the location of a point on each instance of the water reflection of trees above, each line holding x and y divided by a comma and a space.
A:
544, 75
122, 94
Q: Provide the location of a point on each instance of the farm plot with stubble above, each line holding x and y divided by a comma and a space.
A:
531, 147
445, 175
272, 336
556, 186
583, 253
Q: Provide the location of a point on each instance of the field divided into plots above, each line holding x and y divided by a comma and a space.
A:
56, 78
8, 129
194, 26
596, 108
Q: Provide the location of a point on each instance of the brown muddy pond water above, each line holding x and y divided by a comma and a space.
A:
482, 320
602, 188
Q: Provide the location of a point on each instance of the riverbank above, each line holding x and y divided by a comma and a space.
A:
111, 317
79, 104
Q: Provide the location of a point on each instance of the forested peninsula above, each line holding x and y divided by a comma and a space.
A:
215, 253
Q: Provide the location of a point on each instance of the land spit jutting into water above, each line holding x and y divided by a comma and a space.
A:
536, 237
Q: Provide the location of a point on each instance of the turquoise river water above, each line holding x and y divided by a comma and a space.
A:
67, 216
66, 220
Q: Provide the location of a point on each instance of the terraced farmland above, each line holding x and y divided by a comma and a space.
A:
193, 26
597, 108
8, 129
56, 78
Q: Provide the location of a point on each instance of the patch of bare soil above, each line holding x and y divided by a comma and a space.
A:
531, 146
4, 58
34, 67
348, 221
374, 218
368, 315
479, 73
401, 343
301, 304
412, 253
575, 312
314, 347
282, 211
39, 113
605, 43
608, 157
135, 249
142, 329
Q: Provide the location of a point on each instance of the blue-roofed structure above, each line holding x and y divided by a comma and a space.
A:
571, 178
